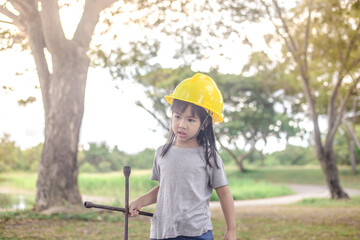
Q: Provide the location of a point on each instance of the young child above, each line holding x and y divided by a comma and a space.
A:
188, 167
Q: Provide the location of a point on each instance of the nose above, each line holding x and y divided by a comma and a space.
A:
182, 123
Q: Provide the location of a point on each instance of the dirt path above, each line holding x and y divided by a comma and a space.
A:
303, 191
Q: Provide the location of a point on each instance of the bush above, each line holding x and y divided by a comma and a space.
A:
143, 159
87, 168
292, 155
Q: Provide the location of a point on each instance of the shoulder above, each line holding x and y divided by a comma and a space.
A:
216, 160
159, 150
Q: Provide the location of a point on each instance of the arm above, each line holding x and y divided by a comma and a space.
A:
143, 201
227, 206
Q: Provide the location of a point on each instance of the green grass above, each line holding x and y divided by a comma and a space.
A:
259, 182
320, 219
295, 174
296, 222
18, 181
112, 185
325, 202
245, 188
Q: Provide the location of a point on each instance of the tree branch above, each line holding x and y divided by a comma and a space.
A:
22, 5
306, 40
229, 151
352, 133
352, 43
50, 19
28, 21
7, 13
16, 20
35, 35
291, 48
6, 22
89, 20
304, 76
294, 49
138, 103
353, 64
332, 102
332, 131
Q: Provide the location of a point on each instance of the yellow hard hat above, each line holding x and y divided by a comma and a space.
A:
202, 91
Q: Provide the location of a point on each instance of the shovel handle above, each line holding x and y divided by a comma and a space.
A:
111, 208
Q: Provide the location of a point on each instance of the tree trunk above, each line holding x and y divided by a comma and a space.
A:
58, 170
239, 163
352, 157
330, 170
351, 149
261, 158
239, 159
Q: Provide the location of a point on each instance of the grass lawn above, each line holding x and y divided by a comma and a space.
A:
308, 220
295, 174
260, 182
320, 219
111, 185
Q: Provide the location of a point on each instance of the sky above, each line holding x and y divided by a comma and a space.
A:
110, 115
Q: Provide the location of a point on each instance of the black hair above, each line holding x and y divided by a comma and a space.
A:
206, 137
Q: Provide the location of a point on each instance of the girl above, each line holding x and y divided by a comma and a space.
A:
188, 167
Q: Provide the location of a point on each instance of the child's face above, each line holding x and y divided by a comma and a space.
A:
185, 125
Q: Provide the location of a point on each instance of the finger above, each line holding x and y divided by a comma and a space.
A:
133, 212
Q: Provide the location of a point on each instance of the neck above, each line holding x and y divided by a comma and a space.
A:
191, 143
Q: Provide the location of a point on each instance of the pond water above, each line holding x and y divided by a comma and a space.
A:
16, 202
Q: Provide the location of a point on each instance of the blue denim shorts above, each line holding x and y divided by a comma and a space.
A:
206, 236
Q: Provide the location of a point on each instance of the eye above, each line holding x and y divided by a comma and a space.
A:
191, 120
177, 116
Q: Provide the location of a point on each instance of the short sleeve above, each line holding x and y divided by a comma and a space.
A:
217, 175
155, 175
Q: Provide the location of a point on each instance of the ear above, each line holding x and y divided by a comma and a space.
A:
205, 125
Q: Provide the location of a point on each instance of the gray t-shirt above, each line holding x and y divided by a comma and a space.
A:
186, 185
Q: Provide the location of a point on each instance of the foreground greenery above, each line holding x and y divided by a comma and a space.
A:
320, 219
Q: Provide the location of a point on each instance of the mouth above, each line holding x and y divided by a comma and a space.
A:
181, 134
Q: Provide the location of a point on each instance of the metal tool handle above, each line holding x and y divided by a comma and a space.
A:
126, 171
111, 208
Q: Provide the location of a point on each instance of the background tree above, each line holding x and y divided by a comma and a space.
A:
292, 156
346, 152
99, 157
350, 122
62, 80
323, 40
143, 159
251, 117
9, 154
31, 158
